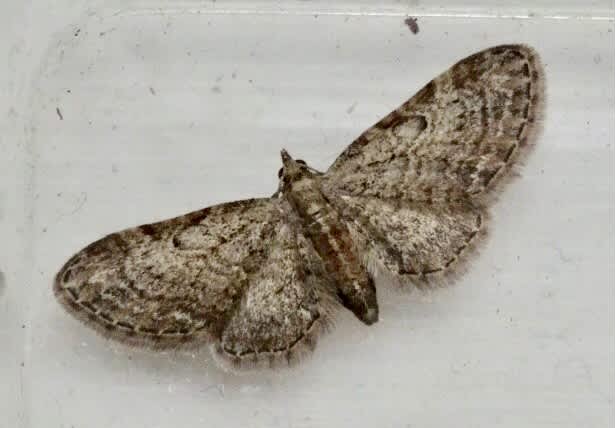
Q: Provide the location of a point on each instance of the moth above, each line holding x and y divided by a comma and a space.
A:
259, 279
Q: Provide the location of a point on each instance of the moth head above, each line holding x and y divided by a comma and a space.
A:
292, 170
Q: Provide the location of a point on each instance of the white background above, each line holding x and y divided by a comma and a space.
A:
169, 106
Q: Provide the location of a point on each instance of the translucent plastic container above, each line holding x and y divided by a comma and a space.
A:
117, 114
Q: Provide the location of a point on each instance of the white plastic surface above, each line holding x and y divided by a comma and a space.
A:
113, 117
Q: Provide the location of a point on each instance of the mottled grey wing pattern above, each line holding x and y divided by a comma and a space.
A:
285, 308
413, 187
202, 277
411, 240
258, 279
454, 139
